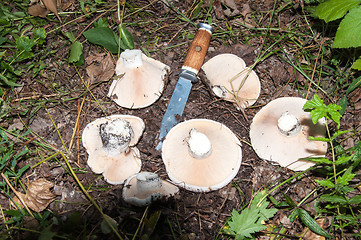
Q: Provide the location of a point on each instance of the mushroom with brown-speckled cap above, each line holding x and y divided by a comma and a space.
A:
144, 188
140, 80
279, 132
110, 143
231, 80
201, 155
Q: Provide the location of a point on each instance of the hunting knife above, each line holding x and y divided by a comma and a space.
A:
192, 64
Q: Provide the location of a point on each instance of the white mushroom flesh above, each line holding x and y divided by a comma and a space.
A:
116, 136
199, 144
288, 124
132, 59
220, 91
148, 182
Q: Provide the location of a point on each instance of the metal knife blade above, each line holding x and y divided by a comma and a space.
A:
187, 77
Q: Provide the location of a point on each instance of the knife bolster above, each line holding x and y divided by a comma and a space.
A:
189, 75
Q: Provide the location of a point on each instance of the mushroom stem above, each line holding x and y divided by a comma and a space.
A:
148, 181
132, 58
198, 144
116, 136
288, 124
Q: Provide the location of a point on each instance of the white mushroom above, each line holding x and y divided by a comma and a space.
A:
145, 187
231, 80
279, 132
140, 80
109, 142
201, 155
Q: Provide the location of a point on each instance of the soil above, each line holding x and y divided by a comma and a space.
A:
56, 97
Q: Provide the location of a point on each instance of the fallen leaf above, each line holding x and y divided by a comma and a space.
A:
38, 195
37, 11
100, 69
218, 9
43, 8
51, 5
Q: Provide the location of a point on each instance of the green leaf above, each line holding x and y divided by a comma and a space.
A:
355, 200
356, 64
319, 160
46, 233
343, 103
4, 81
40, 35
343, 159
333, 198
2, 40
346, 177
355, 84
106, 229
102, 22
104, 37
24, 43
334, 9
321, 139
76, 51
325, 183
70, 36
250, 220
319, 110
311, 223
126, 38
349, 31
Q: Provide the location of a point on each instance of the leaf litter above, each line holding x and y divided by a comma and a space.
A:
38, 196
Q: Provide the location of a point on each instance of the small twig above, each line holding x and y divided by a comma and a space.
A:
314, 67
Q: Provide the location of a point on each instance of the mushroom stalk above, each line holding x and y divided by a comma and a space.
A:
288, 124
116, 136
198, 144
132, 59
148, 182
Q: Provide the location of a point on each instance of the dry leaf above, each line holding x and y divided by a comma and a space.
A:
100, 69
51, 5
38, 196
37, 11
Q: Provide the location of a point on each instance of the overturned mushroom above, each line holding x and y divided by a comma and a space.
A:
279, 132
231, 80
145, 187
201, 155
140, 80
110, 142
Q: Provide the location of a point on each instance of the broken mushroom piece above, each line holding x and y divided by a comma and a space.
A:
231, 80
145, 187
109, 142
279, 132
201, 155
140, 80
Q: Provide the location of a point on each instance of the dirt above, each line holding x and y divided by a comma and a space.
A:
54, 99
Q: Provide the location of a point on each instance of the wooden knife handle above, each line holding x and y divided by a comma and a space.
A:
198, 49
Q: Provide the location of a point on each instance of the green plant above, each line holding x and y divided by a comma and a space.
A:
338, 197
251, 219
348, 34
18, 39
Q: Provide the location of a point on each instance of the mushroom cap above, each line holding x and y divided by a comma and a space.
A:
116, 169
206, 174
229, 72
134, 196
138, 87
270, 144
